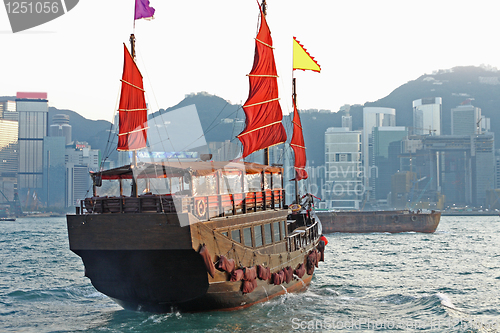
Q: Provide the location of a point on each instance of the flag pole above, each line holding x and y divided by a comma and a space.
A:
295, 109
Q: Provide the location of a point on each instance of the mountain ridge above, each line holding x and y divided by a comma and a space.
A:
481, 84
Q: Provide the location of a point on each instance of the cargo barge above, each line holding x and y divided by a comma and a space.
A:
378, 221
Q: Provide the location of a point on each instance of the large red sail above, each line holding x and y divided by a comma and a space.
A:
298, 146
132, 110
262, 109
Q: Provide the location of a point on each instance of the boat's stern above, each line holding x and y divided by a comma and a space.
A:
142, 261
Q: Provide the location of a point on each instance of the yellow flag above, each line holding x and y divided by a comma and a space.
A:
302, 59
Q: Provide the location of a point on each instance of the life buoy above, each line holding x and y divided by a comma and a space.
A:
295, 207
413, 218
201, 208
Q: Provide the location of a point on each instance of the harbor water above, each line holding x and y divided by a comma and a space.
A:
448, 281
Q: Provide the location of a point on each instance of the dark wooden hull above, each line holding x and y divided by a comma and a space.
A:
150, 262
378, 221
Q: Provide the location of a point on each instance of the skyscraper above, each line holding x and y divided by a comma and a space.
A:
61, 127
465, 120
8, 158
8, 110
373, 117
383, 138
427, 115
54, 171
32, 109
344, 185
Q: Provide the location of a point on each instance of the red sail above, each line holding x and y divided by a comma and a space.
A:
132, 110
298, 146
262, 109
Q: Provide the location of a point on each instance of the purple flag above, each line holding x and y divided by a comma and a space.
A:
143, 10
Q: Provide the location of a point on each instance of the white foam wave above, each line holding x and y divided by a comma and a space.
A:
446, 301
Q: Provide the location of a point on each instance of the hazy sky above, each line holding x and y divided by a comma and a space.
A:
366, 49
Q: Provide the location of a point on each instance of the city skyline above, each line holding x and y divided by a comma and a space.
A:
365, 49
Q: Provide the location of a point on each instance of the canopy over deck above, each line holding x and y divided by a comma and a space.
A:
179, 169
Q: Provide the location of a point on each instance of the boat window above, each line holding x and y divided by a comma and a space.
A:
276, 231
267, 234
111, 188
253, 182
224, 233
159, 185
258, 235
230, 182
276, 180
235, 235
247, 236
283, 229
205, 185
175, 183
267, 181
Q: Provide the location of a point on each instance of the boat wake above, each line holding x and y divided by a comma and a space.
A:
464, 321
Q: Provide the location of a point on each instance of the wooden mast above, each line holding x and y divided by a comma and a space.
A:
134, 153
263, 126
266, 150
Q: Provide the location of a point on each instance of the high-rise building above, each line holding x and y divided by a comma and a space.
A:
485, 125
343, 182
373, 117
8, 110
465, 120
460, 167
8, 158
78, 184
61, 127
54, 171
497, 169
32, 109
383, 137
80, 159
346, 118
427, 115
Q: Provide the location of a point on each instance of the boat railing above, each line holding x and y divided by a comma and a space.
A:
203, 207
302, 237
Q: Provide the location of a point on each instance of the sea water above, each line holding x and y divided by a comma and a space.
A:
448, 281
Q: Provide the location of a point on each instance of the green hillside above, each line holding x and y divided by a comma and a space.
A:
482, 85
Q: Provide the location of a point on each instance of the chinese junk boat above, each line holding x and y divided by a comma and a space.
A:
222, 240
